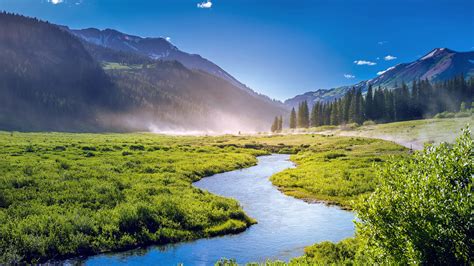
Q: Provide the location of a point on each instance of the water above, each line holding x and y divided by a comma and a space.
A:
285, 225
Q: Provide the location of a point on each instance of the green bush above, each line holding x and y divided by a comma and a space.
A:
463, 114
422, 211
445, 115
369, 123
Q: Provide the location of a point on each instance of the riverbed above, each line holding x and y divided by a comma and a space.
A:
285, 225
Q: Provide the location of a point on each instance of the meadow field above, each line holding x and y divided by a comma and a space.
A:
65, 194
412, 134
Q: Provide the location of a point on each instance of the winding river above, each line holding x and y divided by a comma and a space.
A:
285, 225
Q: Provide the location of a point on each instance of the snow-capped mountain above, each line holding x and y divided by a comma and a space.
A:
437, 65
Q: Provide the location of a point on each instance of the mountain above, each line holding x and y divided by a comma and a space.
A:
47, 77
51, 80
154, 48
159, 49
438, 65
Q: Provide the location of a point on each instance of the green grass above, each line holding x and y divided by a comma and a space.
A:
68, 194
336, 170
331, 169
412, 134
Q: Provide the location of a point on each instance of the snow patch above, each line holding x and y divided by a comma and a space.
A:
380, 73
432, 53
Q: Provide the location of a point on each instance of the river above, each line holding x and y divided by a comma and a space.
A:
285, 225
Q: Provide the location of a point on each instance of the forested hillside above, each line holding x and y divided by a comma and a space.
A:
166, 95
421, 99
439, 65
47, 78
50, 80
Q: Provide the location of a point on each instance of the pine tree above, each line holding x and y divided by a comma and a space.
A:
299, 121
334, 114
303, 115
314, 115
274, 127
280, 124
369, 103
293, 118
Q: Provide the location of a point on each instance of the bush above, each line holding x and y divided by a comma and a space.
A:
334, 155
137, 147
444, 115
369, 123
463, 114
422, 211
350, 126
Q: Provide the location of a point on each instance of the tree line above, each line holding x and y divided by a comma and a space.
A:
422, 99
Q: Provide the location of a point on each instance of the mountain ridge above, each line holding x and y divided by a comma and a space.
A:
438, 64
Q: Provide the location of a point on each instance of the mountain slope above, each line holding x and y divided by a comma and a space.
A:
438, 65
154, 48
50, 80
47, 77
160, 49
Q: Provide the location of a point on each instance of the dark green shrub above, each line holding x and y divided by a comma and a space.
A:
59, 148
137, 147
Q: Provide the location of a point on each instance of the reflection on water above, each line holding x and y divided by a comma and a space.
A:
285, 225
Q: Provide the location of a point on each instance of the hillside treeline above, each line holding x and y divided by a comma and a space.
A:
421, 99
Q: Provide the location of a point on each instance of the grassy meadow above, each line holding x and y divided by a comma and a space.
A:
67, 194
411, 134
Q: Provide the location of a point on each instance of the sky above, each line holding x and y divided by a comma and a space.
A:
280, 48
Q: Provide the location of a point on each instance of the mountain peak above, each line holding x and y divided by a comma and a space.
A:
437, 52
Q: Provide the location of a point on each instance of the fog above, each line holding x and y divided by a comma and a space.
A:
215, 123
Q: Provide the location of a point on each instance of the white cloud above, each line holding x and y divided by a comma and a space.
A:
207, 4
389, 57
382, 42
168, 39
383, 72
364, 62
55, 2
349, 76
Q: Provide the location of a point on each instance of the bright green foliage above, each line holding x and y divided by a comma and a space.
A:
336, 170
69, 194
422, 211
344, 252
325, 253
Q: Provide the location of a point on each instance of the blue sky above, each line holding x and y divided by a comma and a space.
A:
280, 48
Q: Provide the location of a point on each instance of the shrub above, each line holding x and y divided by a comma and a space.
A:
463, 114
350, 126
334, 155
369, 123
29, 148
59, 148
137, 147
444, 115
422, 211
